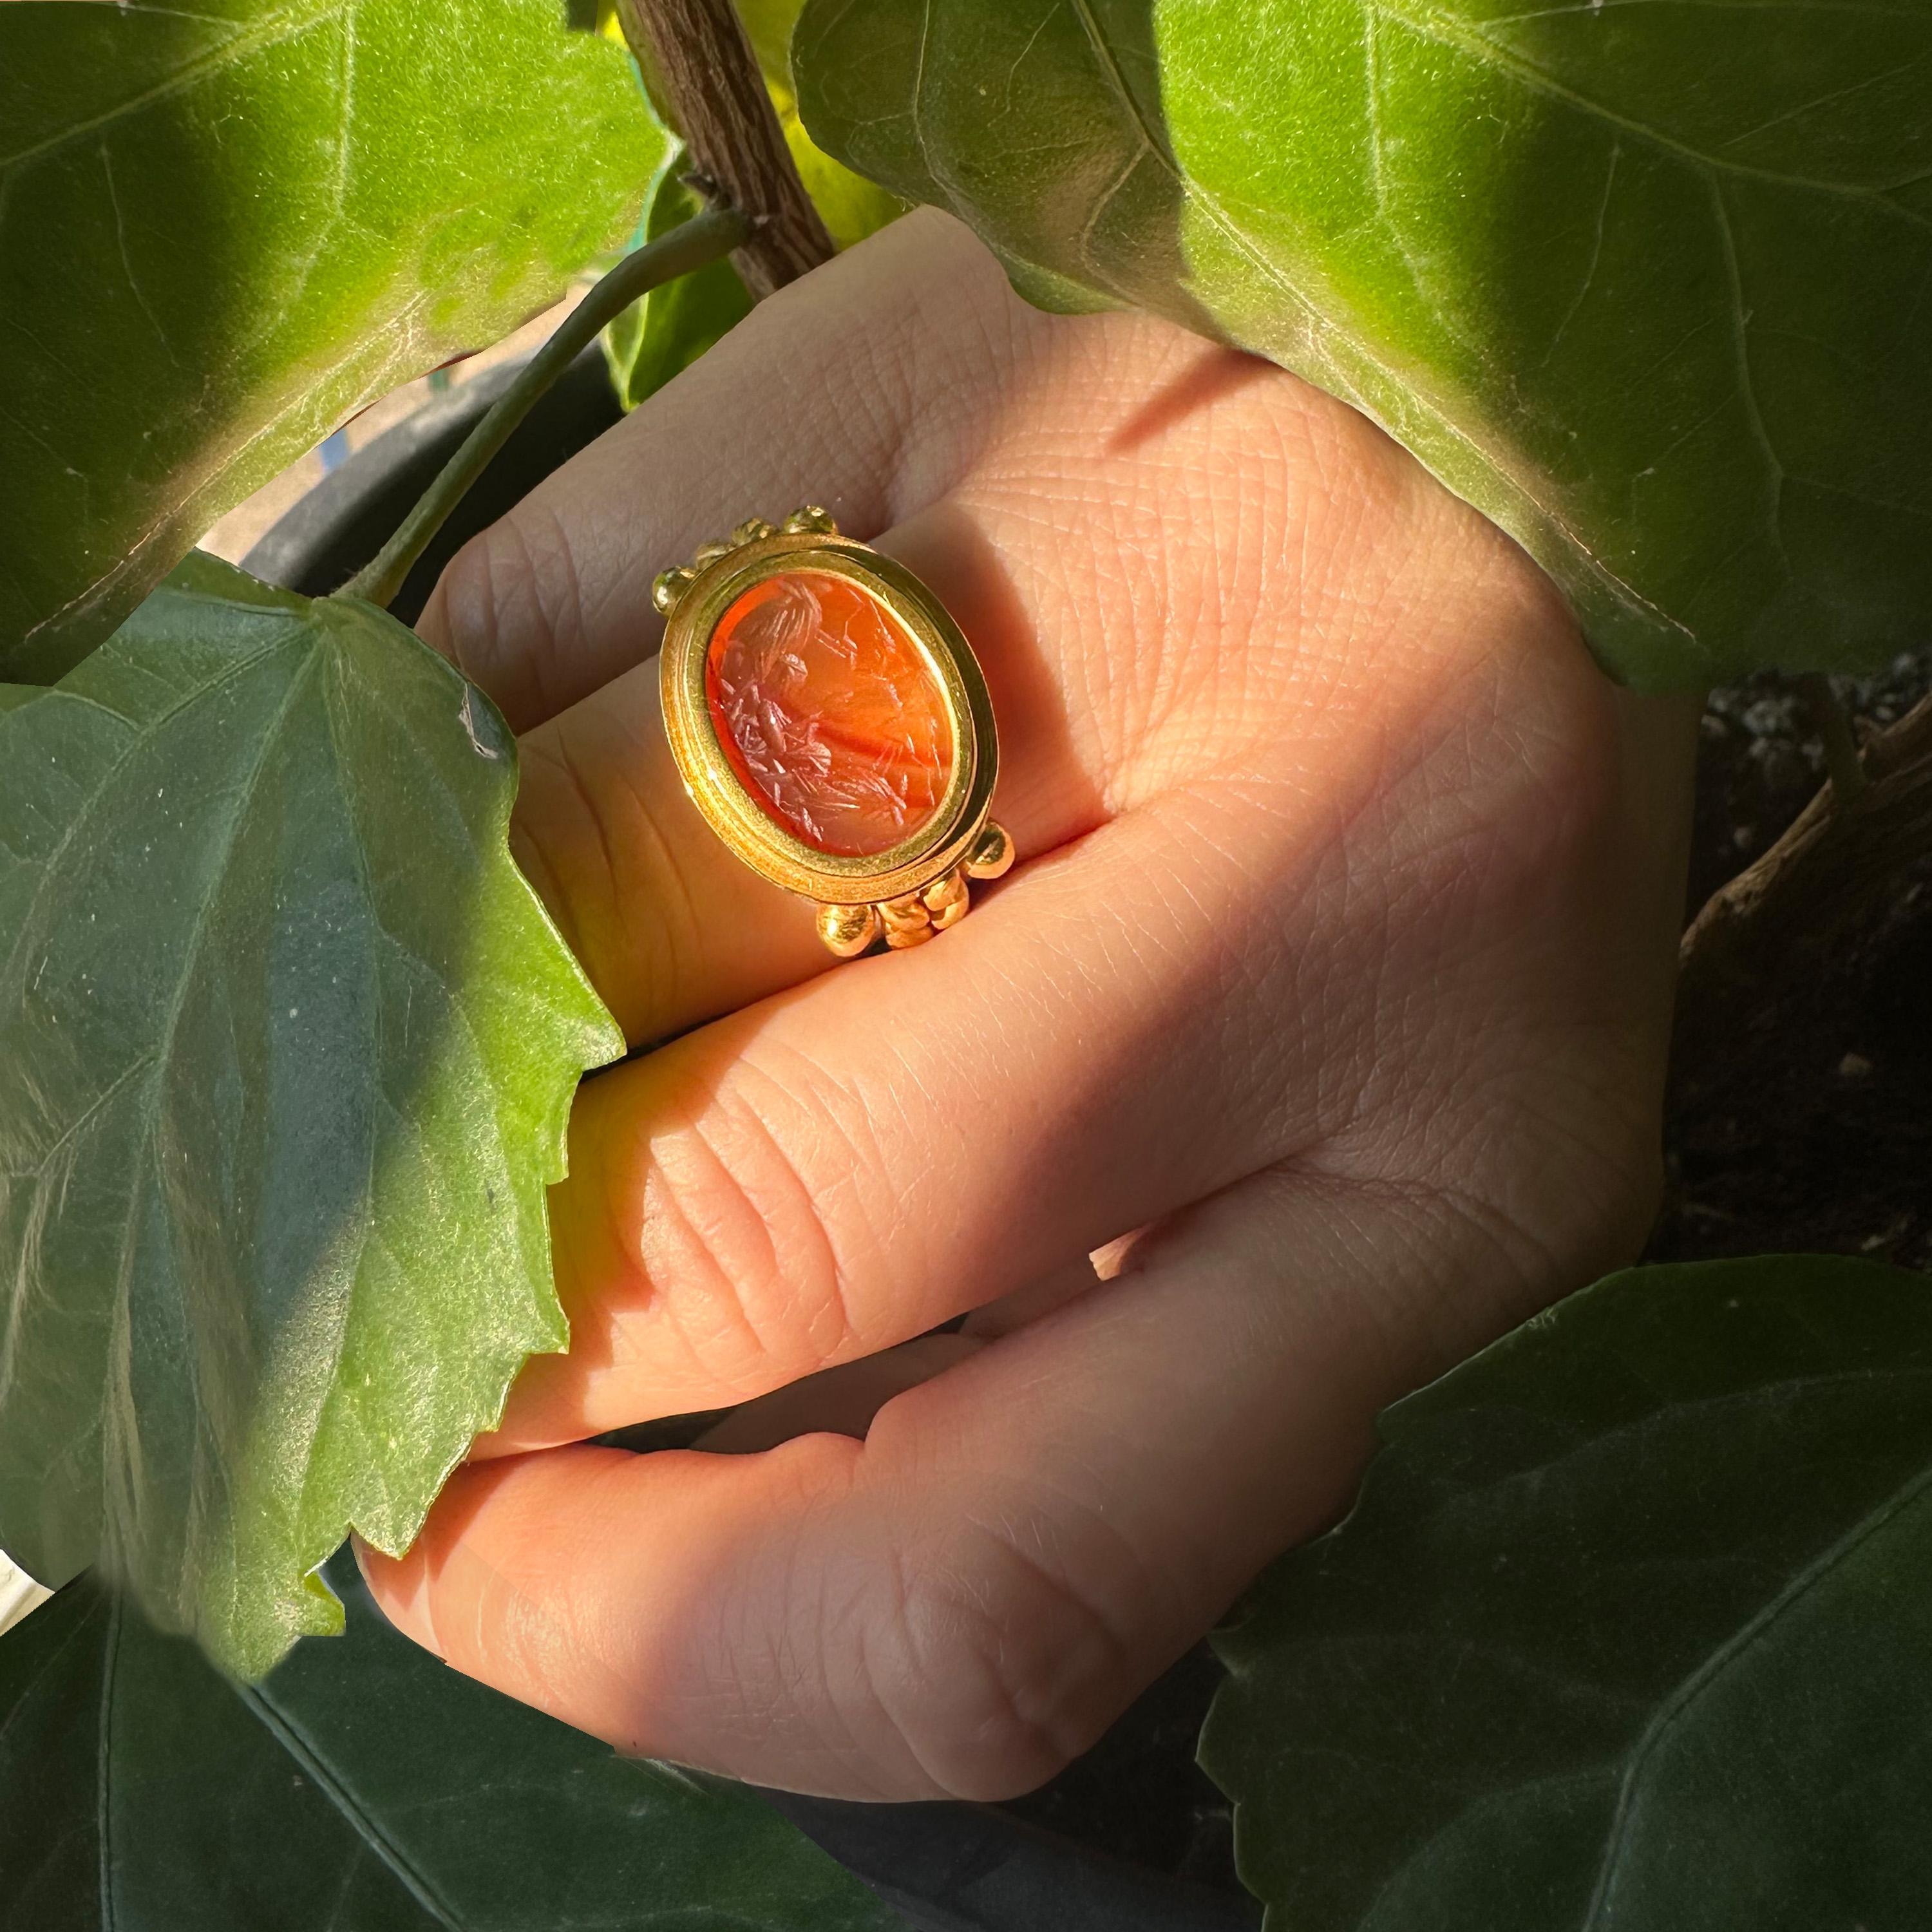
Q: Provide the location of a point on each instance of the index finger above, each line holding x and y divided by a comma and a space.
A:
867, 387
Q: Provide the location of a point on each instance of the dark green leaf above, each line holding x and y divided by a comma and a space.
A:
224, 229
289, 1048
1630, 1630
1649, 281
363, 1788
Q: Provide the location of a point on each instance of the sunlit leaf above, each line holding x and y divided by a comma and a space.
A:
290, 1047
1647, 280
224, 228
851, 206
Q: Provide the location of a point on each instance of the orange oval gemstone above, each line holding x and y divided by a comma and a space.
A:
828, 714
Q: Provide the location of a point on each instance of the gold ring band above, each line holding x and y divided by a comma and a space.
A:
831, 723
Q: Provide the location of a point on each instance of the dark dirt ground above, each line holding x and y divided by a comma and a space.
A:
1820, 1137
1820, 1140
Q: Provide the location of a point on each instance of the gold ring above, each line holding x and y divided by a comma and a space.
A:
830, 720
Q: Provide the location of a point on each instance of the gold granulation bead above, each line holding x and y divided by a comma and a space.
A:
947, 899
992, 853
945, 893
667, 587
847, 930
907, 922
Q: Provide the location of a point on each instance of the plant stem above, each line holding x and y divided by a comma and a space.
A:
699, 61
1843, 764
696, 242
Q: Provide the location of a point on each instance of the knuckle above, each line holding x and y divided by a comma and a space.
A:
744, 1241
476, 595
1541, 783
1577, 1183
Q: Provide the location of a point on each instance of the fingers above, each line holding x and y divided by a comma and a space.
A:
963, 1602
1225, 668
1130, 1024
867, 386
1148, 584
841, 1168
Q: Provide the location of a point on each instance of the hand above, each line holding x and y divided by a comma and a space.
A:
1326, 1009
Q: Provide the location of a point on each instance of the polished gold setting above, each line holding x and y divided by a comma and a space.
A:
917, 888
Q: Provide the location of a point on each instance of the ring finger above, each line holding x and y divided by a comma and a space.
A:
672, 929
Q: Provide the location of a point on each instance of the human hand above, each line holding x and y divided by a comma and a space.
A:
1335, 973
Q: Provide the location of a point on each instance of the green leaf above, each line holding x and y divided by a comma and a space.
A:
672, 326
289, 1050
224, 229
1630, 1631
1646, 280
364, 1786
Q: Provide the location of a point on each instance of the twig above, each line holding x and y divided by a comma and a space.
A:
703, 239
1844, 765
699, 62
1777, 921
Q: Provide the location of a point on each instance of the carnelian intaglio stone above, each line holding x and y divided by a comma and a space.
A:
830, 717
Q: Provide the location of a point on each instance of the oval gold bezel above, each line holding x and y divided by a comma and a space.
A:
729, 808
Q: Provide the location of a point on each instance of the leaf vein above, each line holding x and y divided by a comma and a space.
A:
1686, 1694
282, 1727
1483, 46
269, 32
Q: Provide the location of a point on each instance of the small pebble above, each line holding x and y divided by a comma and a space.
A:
1854, 1066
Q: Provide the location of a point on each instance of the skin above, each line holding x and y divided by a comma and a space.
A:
1318, 1037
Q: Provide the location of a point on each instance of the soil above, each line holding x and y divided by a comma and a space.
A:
1819, 1140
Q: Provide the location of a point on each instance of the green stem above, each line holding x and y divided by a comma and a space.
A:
1844, 764
704, 239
